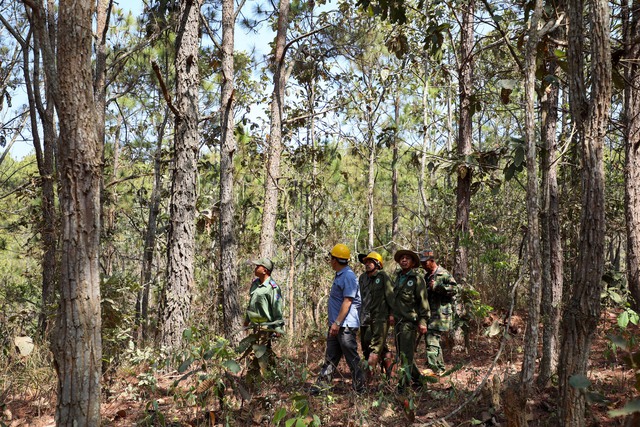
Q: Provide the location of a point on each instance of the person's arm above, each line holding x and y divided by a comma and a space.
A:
342, 314
276, 311
445, 284
423, 305
389, 298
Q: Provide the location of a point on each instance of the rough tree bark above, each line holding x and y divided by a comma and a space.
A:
371, 178
395, 193
175, 304
228, 246
632, 153
552, 264
76, 340
591, 116
44, 152
465, 173
274, 147
150, 234
533, 208
517, 395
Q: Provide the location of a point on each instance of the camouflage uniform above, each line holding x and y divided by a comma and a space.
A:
411, 308
442, 288
377, 300
264, 314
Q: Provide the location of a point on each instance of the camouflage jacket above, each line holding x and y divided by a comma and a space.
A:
442, 288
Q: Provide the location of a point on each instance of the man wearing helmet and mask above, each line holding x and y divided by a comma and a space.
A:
410, 311
343, 318
376, 289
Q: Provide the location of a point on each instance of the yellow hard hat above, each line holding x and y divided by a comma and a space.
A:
372, 255
340, 251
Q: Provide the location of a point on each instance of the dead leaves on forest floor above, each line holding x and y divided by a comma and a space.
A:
438, 404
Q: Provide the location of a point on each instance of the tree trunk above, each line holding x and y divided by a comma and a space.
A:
422, 187
228, 246
110, 202
517, 410
465, 173
45, 160
76, 342
371, 182
274, 150
142, 303
533, 208
395, 195
552, 264
583, 311
175, 305
632, 153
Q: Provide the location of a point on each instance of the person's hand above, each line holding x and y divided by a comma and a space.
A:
373, 360
334, 329
422, 329
392, 320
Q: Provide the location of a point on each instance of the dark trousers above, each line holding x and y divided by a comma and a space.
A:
344, 344
406, 333
366, 334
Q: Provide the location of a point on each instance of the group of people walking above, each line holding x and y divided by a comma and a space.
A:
414, 304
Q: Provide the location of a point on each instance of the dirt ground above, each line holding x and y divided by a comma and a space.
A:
451, 400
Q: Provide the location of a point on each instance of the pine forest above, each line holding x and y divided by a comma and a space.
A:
164, 164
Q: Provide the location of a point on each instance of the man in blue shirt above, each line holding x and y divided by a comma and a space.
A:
344, 320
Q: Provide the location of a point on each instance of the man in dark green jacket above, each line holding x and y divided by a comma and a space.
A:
376, 290
410, 311
441, 289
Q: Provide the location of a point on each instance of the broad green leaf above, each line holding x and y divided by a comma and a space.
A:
633, 317
579, 381
518, 156
560, 54
623, 320
246, 343
618, 341
295, 422
279, 415
616, 297
259, 350
593, 397
185, 365
630, 408
231, 365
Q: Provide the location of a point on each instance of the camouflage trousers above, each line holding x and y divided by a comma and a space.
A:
262, 361
435, 359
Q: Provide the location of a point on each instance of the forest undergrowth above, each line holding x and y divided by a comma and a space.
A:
211, 386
